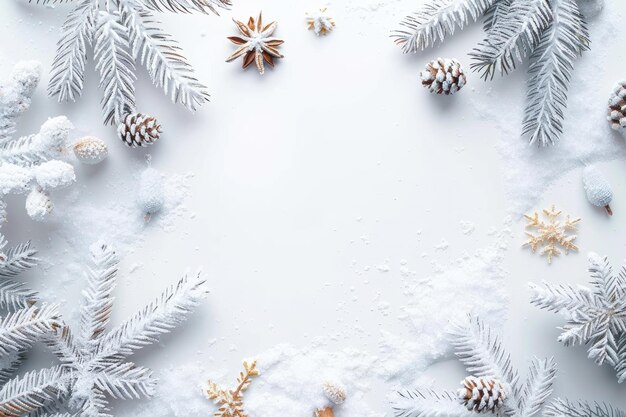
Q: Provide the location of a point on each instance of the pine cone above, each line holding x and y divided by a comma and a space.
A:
482, 395
139, 130
617, 108
443, 76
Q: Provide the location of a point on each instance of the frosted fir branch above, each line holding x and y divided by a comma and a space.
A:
94, 364
514, 38
157, 318
436, 21
566, 408
551, 65
19, 330
50, 2
17, 259
116, 67
14, 295
596, 316
161, 56
562, 297
97, 297
98, 25
9, 366
126, 381
608, 286
482, 353
25, 394
187, 6
488, 363
538, 387
495, 13
68, 67
620, 364
428, 403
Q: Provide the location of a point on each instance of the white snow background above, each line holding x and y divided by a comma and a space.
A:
341, 213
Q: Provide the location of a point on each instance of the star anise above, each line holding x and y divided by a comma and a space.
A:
257, 43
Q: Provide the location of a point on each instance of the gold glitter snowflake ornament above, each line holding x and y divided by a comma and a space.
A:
551, 237
230, 402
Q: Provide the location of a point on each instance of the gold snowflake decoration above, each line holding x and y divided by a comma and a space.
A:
551, 235
231, 401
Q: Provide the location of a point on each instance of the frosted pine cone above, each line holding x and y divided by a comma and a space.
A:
617, 108
482, 395
443, 76
139, 130
335, 391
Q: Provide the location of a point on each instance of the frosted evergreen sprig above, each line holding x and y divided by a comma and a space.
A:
23, 324
124, 33
436, 21
596, 314
483, 355
514, 36
93, 362
33, 164
548, 33
565, 408
550, 72
15, 295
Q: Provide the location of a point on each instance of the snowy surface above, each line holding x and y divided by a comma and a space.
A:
341, 212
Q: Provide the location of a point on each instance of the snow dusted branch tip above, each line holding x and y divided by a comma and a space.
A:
565, 408
596, 313
31, 164
550, 34
124, 34
493, 385
24, 323
93, 361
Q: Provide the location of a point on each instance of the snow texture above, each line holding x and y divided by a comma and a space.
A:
292, 378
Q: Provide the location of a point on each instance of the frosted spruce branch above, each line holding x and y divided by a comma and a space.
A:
489, 365
93, 362
548, 33
596, 314
550, 72
122, 34
565, 408
436, 21
514, 37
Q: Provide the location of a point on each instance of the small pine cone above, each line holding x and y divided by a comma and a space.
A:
617, 108
335, 391
443, 76
139, 130
482, 395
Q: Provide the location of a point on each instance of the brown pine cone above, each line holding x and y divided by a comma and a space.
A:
482, 395
443, 76
139, 130
617, 108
